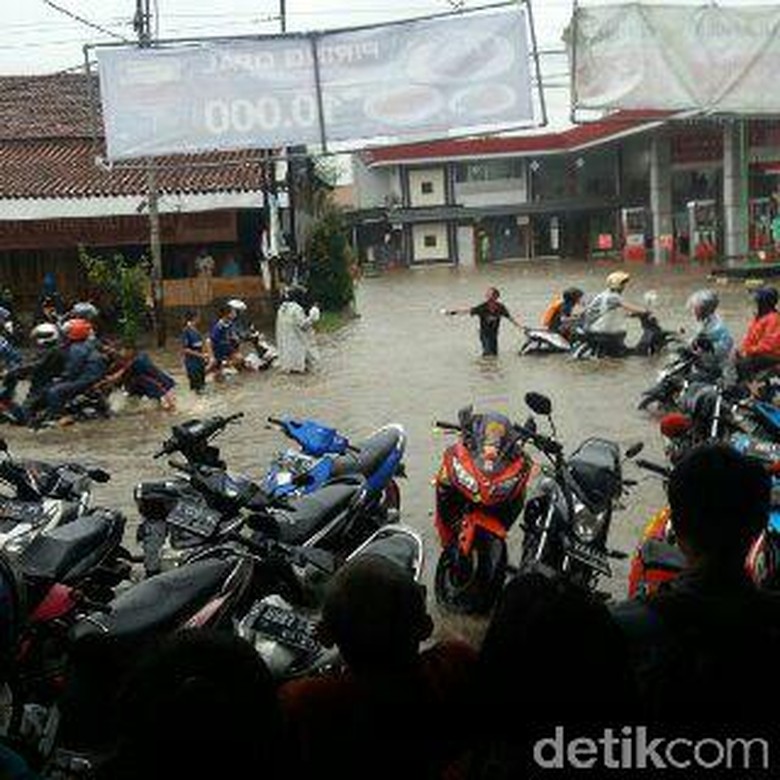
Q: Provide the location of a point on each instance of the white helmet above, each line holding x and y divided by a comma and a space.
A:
617, 280
83, 311
45, 334
236, 304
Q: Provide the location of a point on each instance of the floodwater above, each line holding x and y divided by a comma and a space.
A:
403, 361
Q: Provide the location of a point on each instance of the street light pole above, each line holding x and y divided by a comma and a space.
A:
143, 26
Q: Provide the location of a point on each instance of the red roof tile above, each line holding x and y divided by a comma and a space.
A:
47, 149
566, 140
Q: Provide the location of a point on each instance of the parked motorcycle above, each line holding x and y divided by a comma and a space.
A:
568, 513
43, 496
284, 632
480, 490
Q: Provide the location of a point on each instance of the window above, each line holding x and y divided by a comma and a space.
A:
490, 170
430, 241
426, 188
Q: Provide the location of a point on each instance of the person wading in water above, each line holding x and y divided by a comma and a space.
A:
490, 312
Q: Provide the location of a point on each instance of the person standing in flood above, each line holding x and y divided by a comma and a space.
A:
490, 313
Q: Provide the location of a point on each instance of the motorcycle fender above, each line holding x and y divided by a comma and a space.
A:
473, 522
58, 601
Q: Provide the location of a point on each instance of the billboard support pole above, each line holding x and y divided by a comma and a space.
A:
537, 64
144, 29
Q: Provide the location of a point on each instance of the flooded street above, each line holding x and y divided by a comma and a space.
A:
402, 361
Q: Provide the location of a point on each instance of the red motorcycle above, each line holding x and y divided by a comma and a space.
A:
480, 492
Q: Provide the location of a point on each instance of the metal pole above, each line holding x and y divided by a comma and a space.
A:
143, 26
283, 15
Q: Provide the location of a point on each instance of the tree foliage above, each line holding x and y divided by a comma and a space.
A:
126, 283
330, 262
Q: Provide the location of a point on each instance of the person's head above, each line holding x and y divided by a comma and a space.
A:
766, 300
719, 502
492, 294
197, 704
225, 312
703, 304
78, 330
191, 317
236, 306
572, 296
375, 613
45, 335
617, 281
83, 310
49, 283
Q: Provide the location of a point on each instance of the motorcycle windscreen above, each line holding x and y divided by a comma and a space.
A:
494, 439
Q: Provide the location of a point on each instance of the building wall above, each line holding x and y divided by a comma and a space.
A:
491, 193
375, 187
430, 241
427, 187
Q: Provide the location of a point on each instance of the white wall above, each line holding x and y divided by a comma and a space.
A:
375, 187
422, 252
434, 179
491, 193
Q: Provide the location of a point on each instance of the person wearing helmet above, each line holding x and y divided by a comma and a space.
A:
712, 342
47, 364
84, 366
559, 315
760, 349
603, 313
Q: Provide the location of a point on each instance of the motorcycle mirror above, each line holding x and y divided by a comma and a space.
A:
99, 475
3, 445
635, 449
539, 404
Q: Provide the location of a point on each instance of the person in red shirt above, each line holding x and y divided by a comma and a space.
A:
760, 348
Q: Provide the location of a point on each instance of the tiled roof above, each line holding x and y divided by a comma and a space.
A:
47, 149
566, 140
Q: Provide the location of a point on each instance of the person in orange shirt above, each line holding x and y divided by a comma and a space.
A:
559, 315
760, 348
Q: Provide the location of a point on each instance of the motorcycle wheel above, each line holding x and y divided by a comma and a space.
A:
470, 584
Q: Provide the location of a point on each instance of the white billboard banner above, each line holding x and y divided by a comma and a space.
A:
676, 58
416, 78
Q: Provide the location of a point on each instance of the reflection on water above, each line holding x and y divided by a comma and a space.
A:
403, 361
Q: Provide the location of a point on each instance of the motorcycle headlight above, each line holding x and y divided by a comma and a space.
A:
463, 477
587, 526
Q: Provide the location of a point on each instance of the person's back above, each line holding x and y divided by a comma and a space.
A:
394, 712
698, 643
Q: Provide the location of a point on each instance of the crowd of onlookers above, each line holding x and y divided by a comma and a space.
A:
693, 661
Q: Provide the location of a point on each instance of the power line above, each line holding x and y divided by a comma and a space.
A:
87, 22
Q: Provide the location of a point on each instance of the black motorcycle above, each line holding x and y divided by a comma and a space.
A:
653, 339
568, 514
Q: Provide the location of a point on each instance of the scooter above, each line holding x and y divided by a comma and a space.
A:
543, 341
652, 340
480, 490
45, 495
568, 513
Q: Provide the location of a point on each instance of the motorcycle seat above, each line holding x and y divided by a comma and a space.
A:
68, 551
396, 546
160, 603
370, 455
595, 468
306, 515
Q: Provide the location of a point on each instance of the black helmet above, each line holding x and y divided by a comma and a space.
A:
766, 299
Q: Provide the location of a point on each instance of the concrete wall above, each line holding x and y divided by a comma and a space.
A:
422, 179
375, 187
437, 245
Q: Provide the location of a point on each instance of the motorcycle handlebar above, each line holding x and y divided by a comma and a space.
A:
447, 426
544, 443
654, 468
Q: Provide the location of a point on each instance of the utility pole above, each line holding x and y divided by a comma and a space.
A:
143, 26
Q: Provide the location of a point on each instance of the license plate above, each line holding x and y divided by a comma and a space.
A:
590, 557
194, 519
287, 627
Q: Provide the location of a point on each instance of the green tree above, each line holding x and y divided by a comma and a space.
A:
330, 260
126, 282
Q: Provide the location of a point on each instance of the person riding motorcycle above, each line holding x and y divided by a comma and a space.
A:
48, 364
603, 313
712, 342
760, 349
559, 315
84, 366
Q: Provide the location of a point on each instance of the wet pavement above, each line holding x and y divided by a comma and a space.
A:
403, 361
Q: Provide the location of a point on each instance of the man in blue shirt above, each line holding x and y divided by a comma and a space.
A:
195, 357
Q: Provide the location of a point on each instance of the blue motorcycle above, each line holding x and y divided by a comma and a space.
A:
324, 454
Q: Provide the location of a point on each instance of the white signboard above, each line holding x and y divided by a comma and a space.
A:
410, 79
677, 57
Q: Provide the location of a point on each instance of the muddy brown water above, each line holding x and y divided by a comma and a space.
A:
403, 361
